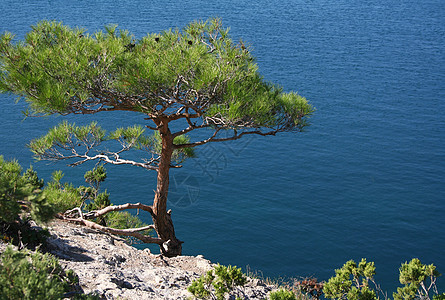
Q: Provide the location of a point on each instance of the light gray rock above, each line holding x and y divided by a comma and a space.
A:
111, 268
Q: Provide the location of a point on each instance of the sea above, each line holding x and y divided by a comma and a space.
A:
365, 180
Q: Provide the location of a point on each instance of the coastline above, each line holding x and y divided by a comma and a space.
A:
106, 265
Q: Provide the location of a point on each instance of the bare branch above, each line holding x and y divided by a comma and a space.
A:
123, 232
117, 161
133, 232
98, 213
151, 127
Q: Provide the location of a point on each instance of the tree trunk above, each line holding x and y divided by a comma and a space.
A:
161, 218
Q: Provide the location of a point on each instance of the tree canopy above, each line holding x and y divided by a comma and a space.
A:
197, 78
195, 73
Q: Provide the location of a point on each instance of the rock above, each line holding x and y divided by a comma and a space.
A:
109, 267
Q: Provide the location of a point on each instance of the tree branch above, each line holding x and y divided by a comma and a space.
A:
117, 161
133, 232
98, 213
234, 137
190, 128
124, 232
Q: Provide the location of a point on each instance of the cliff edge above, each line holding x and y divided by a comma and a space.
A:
109, 267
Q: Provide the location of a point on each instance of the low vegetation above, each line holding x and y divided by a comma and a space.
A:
356, 282
23, 198
33, 275
351, 282
282, 294
80, 204
219, 282
21, 192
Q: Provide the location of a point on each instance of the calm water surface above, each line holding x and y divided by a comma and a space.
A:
366, 180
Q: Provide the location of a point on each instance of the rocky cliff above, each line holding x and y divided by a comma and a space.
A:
108, 266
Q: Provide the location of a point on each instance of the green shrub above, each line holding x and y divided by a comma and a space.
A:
123, 220
282, 294
439, 297
20, 193
26, 275
352, 282
63, 196
97, 201
419, 281
21, 199
88, 198
12, 189
217, 282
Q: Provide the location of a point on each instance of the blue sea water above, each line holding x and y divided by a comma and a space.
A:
367, 179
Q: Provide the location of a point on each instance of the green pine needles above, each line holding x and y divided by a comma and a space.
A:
282, 294
191, 86
419, 281
353, 282
26, 275
30, 275
68, 141
21, 193
216, 283
58, 69
71, 201
23, 197
64, 70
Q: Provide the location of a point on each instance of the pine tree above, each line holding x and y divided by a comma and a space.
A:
180, 81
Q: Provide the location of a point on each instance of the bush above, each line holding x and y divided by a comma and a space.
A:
97, 201
217, 282
419, 281
21, 199
63, 196
282, 294
352, 282
123, 220
26, 275
20, 193
439, 297
88, 198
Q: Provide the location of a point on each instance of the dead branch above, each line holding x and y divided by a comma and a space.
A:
123, 232
82, 219
97, 213
117, 161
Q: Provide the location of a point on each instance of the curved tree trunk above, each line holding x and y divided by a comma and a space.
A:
161, 218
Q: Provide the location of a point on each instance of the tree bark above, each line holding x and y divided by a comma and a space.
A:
161, 218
